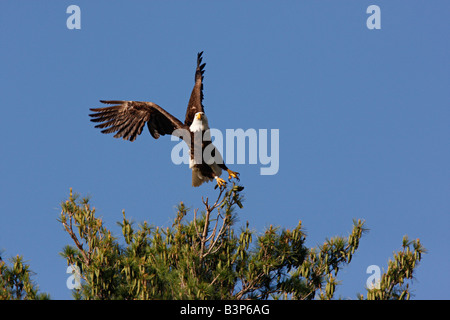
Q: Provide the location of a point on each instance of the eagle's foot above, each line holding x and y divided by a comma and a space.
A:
220, 182
232, 174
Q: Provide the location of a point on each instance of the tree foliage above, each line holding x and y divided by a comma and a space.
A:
205, 257
392, 284
16, 281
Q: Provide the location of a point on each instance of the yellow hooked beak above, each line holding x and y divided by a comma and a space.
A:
199, 116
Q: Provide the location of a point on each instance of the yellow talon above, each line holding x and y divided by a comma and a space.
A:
220, 182
232, 174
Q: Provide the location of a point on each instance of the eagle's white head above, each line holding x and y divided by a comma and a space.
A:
200, 122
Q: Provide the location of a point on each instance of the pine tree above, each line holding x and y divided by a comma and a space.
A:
203, 256
16, 281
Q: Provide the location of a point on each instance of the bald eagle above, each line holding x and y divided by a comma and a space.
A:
127, 119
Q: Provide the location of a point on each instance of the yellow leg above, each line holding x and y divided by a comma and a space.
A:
232, 174
220, 182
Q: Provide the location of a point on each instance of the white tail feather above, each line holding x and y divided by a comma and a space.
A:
198, 178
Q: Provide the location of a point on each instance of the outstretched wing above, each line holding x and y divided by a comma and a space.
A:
195, 102
127, 119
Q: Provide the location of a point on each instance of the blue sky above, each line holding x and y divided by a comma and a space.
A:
363, 117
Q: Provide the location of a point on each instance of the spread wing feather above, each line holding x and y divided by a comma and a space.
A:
195, 102
128, 118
